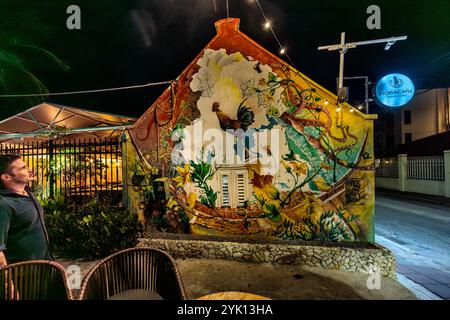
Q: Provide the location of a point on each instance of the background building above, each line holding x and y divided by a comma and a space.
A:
426, 115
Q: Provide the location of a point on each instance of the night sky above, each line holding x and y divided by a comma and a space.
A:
125, 43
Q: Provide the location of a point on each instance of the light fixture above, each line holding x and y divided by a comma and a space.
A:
326, 102
338, 109
351, 110
360, 107
388, 45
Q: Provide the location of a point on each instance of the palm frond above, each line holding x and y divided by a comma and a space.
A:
47, 53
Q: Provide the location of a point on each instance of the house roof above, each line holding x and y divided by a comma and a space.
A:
35, 122
434, 145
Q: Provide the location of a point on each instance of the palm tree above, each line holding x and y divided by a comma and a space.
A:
15, 69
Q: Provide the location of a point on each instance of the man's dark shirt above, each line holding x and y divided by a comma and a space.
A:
22, 230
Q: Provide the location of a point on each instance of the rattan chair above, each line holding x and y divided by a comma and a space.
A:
135, 269
34, 280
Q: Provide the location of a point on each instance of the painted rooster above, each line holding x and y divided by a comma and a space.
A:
245, 117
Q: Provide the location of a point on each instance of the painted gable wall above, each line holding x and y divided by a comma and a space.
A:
296, 169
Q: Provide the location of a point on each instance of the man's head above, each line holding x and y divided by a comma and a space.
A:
13, 171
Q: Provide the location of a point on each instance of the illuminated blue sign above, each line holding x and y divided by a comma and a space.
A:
394, 90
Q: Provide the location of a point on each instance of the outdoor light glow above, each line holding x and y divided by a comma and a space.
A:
267, 25
282, 51
360, 107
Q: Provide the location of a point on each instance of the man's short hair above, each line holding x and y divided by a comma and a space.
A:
5, 162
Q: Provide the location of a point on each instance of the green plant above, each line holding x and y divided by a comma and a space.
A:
200, 174
89, 231
288, 230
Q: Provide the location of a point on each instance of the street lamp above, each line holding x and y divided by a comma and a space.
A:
343, 47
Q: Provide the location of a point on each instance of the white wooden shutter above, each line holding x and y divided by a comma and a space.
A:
240, 187
233, 187
224, 185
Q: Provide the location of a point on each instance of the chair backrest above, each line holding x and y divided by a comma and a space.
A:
136, 268
34, 280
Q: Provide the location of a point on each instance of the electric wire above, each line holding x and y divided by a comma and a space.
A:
151, 84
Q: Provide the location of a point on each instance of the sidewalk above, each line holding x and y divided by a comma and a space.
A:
432, 283
432, 279
425, 281
286, 282
205, 276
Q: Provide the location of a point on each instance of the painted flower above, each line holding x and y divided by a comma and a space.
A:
184, 175
191, 200
154, 170
299, 168
274, 112
171, 203
265, 184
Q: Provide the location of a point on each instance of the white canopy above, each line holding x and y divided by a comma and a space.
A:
49, 120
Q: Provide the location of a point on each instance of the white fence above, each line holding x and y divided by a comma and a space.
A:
426, 168
428, 175
388, 168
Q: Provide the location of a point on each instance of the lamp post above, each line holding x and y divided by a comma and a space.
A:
366, 89
343, 47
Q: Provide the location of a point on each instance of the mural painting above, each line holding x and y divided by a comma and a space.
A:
251, 148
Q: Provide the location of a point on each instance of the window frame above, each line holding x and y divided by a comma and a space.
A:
405, 118
233, 196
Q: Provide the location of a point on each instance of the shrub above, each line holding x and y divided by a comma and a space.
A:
90, 231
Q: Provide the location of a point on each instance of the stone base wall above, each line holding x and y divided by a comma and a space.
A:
354, 259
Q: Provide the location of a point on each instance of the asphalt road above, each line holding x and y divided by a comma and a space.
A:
418, 232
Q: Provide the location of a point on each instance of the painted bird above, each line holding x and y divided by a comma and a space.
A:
245, 117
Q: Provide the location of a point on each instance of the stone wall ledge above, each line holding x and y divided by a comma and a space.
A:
346, 256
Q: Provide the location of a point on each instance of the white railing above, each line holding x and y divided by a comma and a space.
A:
428, 175
426, 168
387, 168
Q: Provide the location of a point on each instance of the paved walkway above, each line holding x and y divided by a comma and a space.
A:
432, 279
206, 276
286, 282
417, 277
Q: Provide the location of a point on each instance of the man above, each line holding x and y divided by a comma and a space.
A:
23, 235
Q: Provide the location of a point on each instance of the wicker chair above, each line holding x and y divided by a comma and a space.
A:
34, 280
144, 269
